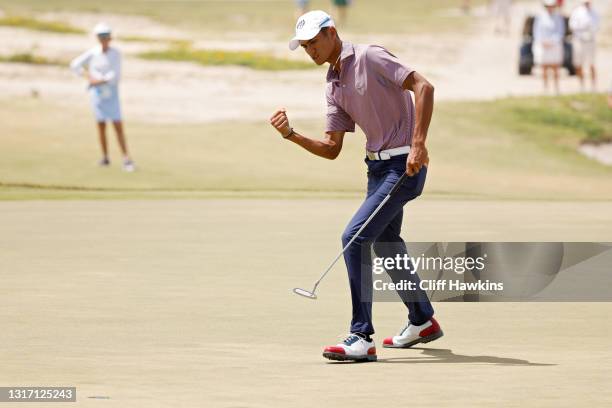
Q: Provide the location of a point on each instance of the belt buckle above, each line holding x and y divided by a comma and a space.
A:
378, 155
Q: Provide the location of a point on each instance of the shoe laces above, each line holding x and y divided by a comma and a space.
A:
404, 329
349, 339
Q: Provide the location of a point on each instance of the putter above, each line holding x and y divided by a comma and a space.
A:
311, 294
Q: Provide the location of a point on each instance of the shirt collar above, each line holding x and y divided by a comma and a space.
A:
99, 49
348, 50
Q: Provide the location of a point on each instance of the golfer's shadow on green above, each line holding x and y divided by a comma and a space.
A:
446, 356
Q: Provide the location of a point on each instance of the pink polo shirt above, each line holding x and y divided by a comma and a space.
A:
368, 91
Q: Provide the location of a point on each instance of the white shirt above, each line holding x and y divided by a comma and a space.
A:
104, 66
584, 23
548, 28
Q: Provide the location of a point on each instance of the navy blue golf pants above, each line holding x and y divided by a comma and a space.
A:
384, 229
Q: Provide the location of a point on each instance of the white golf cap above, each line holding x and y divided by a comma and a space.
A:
102, 28
309, 25
550, 3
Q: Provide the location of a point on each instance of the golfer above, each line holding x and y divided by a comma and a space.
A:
101, 66
368, 86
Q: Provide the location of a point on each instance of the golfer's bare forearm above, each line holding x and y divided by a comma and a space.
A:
424, 98
424, 103
326, 148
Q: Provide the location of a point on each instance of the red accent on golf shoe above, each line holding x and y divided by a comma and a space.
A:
434, 328
388, 340
372, 351
335, 349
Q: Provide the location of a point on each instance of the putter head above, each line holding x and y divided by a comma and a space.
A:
304, 293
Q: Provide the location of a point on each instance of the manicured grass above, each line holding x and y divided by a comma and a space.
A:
220, 57
39, 25
29, 58
484, 150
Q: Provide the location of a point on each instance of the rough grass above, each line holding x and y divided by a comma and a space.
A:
585, 116
31, 23
138, 38
269, 17
485, 150
143, 39
30, 58
589, 118
248, 59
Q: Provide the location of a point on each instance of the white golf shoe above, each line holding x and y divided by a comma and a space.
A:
411, 335
129, 166
353, 348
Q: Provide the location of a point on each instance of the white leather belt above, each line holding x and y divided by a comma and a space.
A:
387, 154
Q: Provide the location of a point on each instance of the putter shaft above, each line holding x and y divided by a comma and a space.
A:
365, 224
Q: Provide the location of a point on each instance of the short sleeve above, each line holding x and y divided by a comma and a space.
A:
337, 118
387, 65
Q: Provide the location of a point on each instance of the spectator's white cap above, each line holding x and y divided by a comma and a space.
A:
550, 3
102, 28
309, 25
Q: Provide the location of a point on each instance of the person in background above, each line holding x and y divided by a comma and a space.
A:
341, 10
548, 33
466, 6
501, 12
584, 23
301, 7
101, 66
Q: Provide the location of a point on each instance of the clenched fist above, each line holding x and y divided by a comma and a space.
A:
418, 157
280, 121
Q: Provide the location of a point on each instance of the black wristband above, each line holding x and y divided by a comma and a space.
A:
290, 134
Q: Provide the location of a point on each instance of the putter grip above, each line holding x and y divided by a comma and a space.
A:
398, 184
